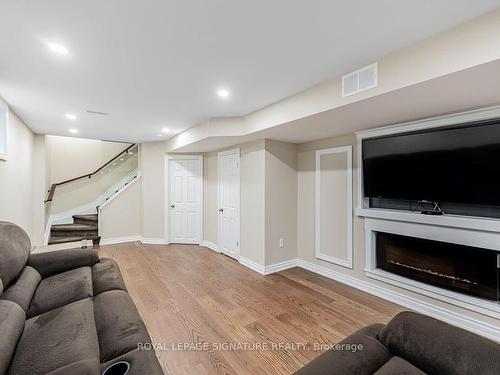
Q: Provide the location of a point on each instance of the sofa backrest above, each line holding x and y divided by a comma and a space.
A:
15, 247
436, 347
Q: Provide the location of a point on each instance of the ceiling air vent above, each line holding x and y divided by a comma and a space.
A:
359, 80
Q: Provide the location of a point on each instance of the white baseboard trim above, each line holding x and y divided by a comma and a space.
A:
280, 266
152, 241
210, 245
481, 328
267, 270
117, 240
143, 240
252, 265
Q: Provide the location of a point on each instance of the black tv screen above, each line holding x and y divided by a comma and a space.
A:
448, 165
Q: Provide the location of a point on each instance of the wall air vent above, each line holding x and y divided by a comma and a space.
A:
97, 112
359, 80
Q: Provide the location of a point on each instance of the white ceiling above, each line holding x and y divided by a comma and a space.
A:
406, 104
158, 63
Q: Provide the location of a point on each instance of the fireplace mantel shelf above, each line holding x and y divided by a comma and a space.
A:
455, 221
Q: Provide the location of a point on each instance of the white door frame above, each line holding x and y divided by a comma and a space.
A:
168, 158
223, 153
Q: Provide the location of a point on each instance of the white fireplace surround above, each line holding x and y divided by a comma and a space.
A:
465, 230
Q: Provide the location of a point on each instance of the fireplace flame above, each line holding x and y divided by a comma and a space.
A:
454, 278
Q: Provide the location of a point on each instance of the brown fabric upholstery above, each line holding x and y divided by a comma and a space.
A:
52, 262
345, 362
106, 276
22, 289
413, 344
61, 289
15, 247
52, 311
397, 365
56, 339
119, 325
439, 348
83, 367
12, 319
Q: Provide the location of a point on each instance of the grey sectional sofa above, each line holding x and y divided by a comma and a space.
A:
410, 344
66, 312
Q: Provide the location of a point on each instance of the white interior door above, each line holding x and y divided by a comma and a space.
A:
229, 203
185, 200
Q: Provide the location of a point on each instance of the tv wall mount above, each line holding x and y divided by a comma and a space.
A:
430, 208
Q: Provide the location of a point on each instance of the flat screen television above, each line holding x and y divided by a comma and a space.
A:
459, 164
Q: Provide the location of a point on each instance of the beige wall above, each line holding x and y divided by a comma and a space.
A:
72, 157
268, 202
122, 216
152, 164
252, 199
210, 208
281, 201
306, 215
18, 193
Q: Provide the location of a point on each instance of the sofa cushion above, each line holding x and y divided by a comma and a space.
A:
141, 362
12, 319
346, 362
15, 247
56, 339
439, 348
83, 367
397, 365
106, 276
119, 325
22, 289
54, 262
61, 289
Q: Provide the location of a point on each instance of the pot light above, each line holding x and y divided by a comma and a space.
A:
121, 159
165, 130
57, 48
73, 131
159, 135
223, 93
70, 116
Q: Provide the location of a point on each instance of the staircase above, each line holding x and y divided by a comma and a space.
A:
84, 227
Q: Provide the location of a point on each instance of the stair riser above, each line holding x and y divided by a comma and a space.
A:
85, 221
76, 233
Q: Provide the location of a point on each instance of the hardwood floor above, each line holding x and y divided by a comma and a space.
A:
192, 295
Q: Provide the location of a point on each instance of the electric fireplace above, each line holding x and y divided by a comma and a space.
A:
465, 269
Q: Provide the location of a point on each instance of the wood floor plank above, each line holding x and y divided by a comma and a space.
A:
188, 294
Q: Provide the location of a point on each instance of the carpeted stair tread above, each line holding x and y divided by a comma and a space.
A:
73, 227
89, 217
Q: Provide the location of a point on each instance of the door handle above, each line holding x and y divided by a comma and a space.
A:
221, 210
172, 205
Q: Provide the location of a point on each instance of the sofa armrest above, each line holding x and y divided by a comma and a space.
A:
342, 361
53, 262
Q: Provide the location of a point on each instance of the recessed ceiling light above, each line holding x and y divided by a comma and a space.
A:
114, 163
73, 131
159, 135
70, 116
165, 130
57, 48
121, 159
223, 93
